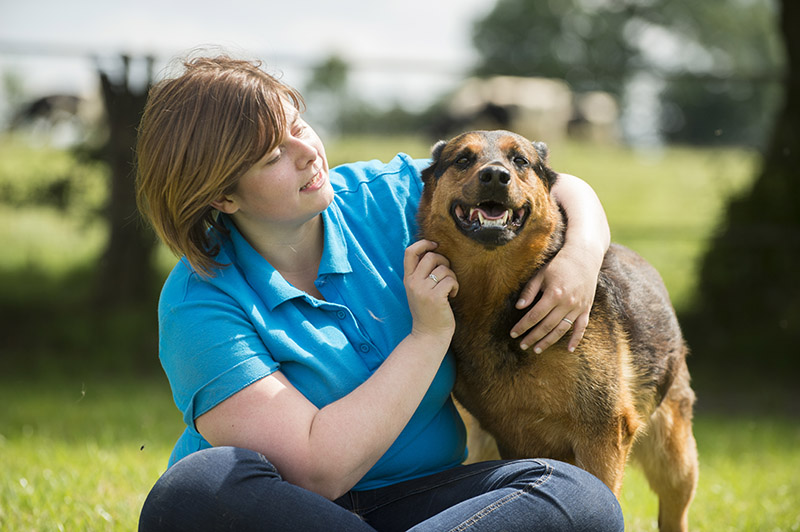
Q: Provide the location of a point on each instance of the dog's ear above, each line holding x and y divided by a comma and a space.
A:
436, 155
543, 170
436, 150
541, 150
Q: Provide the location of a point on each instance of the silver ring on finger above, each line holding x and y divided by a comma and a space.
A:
434, 278
571, 323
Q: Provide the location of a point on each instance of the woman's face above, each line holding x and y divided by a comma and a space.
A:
289, 185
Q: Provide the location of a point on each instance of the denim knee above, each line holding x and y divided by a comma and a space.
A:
586, 503
198, 486
228, 488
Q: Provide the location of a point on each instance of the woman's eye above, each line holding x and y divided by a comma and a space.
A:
298, 129
272, 159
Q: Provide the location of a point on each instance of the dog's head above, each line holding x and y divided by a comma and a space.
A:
493, 186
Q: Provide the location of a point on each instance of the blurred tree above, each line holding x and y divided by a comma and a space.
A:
713, 56
329, 98
724, 79
330, 75
580, 41
125, 269
747, 313
335, 108
13, 91
715, 111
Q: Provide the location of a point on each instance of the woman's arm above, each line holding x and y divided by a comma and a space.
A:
329, 450
569, 281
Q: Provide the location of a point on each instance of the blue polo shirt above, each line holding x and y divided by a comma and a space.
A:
221, 334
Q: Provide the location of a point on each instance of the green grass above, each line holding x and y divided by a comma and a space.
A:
664, 205
82, 455
748, 478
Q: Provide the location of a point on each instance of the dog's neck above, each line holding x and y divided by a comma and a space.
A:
493, 276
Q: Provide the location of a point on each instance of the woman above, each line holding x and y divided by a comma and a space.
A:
305, 332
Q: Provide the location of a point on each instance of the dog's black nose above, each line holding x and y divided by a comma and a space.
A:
494, 175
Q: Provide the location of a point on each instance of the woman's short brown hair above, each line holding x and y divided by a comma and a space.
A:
200, 132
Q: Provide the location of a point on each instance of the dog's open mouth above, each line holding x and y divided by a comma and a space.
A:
489, 222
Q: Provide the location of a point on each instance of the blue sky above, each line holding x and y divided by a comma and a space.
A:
366, 32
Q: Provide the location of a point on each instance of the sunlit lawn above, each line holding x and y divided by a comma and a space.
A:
82, 454
79, 452
748, 478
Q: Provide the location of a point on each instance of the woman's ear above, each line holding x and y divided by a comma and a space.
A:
225, 204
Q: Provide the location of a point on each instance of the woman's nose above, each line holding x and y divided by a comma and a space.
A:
305, 153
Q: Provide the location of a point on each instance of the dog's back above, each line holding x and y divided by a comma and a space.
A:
639, 301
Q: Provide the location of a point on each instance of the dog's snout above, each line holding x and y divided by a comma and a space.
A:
495, 175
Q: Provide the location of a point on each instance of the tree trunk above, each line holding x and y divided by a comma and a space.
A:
748, 309
125, 269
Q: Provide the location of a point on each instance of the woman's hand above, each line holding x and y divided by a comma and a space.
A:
430, 283
569, 281
568, 285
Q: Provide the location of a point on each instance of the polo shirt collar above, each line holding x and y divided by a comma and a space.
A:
270, 285
334, 255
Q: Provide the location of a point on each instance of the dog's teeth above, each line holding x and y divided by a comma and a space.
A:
475, 213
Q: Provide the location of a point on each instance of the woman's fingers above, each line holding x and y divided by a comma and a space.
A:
414, 254
444, 280
429, 284
578, 329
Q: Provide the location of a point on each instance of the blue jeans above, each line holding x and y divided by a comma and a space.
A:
226, 488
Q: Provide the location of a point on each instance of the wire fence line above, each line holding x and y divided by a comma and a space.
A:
420, 65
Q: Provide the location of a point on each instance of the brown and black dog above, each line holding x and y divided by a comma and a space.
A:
624, 391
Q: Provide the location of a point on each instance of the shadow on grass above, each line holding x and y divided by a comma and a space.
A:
52, 328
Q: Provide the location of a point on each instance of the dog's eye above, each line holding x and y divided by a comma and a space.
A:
521, 161
463, 162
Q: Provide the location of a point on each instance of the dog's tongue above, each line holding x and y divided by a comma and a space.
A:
490, 212
490, 215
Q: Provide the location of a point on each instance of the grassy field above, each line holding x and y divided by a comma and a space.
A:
82, 454
79, 455
80, 449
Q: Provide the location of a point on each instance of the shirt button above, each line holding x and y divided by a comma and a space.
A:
364, 348
341, 314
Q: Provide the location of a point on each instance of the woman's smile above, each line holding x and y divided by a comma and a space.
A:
316, 182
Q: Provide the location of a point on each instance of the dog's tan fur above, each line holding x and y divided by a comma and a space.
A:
624, 391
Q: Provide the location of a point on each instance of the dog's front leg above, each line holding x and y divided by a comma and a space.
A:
606, 456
